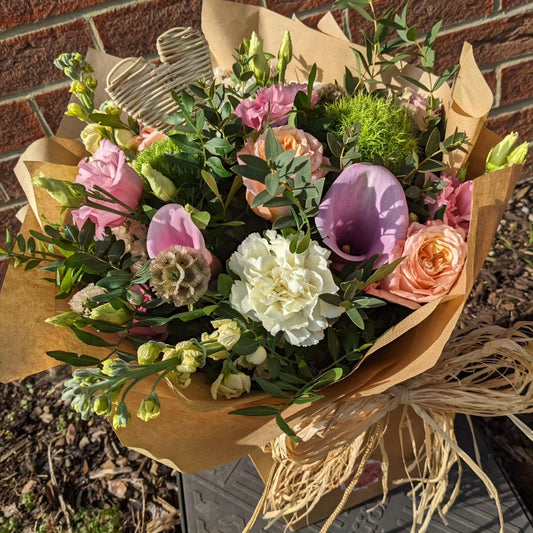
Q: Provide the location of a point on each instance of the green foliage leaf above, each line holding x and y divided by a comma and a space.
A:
90, 338
260, 410
286, 428
356, 317
327, 378
73, 359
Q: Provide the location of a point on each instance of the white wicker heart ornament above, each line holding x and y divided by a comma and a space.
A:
143, 90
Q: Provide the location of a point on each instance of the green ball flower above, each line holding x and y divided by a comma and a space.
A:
386, 129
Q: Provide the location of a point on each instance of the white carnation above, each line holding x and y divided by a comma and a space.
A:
281, 289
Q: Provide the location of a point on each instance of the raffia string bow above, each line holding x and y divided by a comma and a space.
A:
486, 371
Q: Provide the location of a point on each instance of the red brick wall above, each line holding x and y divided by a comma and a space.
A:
33, 93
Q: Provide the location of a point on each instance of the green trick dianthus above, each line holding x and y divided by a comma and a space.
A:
156, 156
386, 129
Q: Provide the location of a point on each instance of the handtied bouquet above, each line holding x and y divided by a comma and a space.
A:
270, 232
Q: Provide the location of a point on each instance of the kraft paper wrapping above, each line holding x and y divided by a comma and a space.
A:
194, 432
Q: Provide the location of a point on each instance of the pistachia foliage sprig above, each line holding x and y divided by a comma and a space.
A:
382, 50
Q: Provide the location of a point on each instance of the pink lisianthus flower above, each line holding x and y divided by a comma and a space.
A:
457, 197
304, 144
172, 225
147, 136
434, 256
272, 104
109, 170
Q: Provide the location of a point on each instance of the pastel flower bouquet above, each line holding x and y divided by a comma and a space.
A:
276, 240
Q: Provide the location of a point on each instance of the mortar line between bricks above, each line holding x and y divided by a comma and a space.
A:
94, 34
16, 202
12, 154
65, 18
43, 88
318, 10
492, 17
511, 108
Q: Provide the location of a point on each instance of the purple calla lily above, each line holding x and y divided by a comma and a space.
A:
172, 225
363, 213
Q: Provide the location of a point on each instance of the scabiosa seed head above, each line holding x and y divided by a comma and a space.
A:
179, 275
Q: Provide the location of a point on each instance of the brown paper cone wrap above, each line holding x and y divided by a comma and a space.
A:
194, 432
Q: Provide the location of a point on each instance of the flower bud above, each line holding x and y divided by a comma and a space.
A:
258, 61
65, 193
107, 313
231, 385
161, 186
114, 367
148, 352
121, 416
497, 158
125, 139
63, 320
91, 136
149, 408
192, 356
102, 405
519, 154
258, 357
77, 87
110, 108
91, 82
284, 54
75, 110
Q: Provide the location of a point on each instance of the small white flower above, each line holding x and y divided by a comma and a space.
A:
281, 289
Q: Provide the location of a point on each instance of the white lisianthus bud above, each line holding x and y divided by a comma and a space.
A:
63, 320
258, 61
161, 186
107, 313
258, 357
497, 158
65, 193
231, 385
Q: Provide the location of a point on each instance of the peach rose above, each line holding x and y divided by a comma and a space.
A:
434, 257
290, 138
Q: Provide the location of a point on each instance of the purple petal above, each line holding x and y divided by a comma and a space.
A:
172, 225
363, 213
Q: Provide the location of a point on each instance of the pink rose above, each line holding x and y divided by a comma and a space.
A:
271, 103
147, 136
434, 257
172, 225
290, 138
457, 197
109, 170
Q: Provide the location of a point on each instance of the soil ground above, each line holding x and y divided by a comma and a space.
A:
59, 473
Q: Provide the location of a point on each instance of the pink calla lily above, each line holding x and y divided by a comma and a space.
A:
363, 213
172, 225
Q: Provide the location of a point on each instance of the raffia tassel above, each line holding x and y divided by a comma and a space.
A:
486, 371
